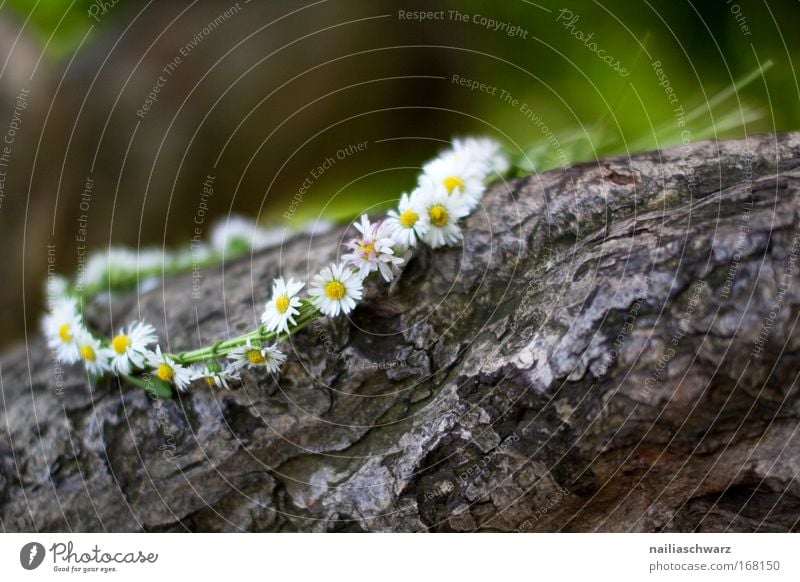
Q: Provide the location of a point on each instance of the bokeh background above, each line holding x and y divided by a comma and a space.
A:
265, 91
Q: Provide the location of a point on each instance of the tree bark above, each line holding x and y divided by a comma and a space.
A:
614, 348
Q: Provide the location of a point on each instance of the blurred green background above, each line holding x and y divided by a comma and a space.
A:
259, 94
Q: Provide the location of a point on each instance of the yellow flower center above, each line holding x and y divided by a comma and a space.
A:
120, 343
87, 352
408, 218
367, 249
282, 303
439, 216
65, 333
165, 372
255, 357
335, 290
210, 380
453, 182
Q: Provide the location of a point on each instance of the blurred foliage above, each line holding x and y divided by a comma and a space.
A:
60, 24
713, 66
270, 103
590, 110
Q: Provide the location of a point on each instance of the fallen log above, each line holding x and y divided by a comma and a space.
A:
614, 348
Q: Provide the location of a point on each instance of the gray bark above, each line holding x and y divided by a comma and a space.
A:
613, 349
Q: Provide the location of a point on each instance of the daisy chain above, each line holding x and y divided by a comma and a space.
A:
449, 188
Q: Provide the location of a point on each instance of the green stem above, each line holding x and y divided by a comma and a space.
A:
301, 323
219, 348
119, 279
308, 313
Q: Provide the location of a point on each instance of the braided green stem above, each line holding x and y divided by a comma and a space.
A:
308, 313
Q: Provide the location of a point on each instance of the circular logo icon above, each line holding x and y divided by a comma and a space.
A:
31, 555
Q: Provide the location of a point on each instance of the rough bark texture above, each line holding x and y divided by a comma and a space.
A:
613, 349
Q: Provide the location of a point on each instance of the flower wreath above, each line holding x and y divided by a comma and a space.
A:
450, 187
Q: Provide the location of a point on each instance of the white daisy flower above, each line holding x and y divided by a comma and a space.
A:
235, 232
61, 327
267, 238
131, 347
193, 256
95, 358
152, 259
148, 284
336, 289
168, 370
56, 286
461, 177
484, 151
373, 251
198, 253
94, 270
252, 356
216, 378
284, 305
441, 213
405, 225
102, 265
